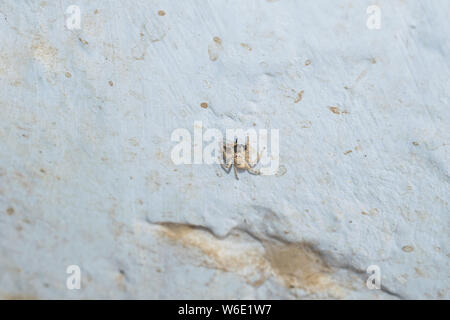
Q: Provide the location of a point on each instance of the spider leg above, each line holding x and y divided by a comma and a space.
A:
257, 160
250, 169
226, 167
235, 172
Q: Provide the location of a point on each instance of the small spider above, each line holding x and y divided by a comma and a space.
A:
239, 155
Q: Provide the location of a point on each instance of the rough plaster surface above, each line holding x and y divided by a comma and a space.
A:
86, 176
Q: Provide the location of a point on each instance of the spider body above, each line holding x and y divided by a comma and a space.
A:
239, 156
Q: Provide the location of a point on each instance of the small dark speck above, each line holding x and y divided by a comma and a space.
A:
415, 143
83, 41
10, 211
122, 272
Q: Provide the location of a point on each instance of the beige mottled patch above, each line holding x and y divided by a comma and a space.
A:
161, 13
300, 266
18, 297
219, 254
133, 141
46, 55
419, 272
204, 105
159, 154
305, 124
296, 265
153, 181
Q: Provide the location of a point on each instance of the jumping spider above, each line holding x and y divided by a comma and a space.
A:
239, 155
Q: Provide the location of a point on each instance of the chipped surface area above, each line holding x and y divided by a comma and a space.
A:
86, 176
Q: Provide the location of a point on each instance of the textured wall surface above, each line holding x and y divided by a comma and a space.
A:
86, 176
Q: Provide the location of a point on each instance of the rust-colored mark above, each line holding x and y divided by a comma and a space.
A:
299, 96
204, 105
336, 110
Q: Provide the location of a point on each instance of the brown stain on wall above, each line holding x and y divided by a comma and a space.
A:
299, 97
408, 248
246, 46
299, 266
220, 257
336, 110
293, 265
18, 297
215, 48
